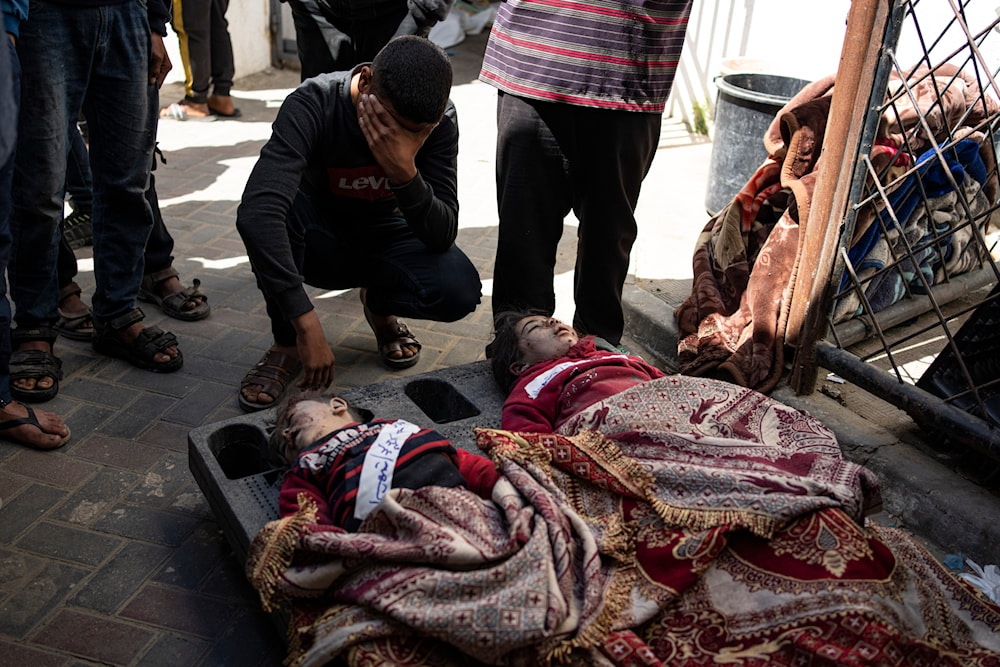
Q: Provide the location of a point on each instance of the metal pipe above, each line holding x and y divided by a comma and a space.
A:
925, 408
820, 234
858, 329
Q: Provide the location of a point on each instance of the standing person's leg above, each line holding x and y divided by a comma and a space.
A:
37, 429
10, 87
75, 319
191, 22
55, 46
532, 200
160, 281
76, 231
76, 226
223, 67
316, 40
121, 148
369, 35
609, 157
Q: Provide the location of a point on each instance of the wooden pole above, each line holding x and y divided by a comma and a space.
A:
819, 243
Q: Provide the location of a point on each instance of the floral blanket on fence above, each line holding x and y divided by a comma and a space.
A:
682, 522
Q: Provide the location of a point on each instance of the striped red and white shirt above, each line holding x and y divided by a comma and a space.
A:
608, 54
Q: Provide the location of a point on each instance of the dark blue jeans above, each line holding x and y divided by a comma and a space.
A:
94, 59
80, 185
79, 182
402, 277
8, 119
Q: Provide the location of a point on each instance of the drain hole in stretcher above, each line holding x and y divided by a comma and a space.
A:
440, 401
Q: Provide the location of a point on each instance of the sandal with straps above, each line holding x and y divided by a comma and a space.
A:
142, 350
172, 305
272, 374
389, 335
74, 327
34, 364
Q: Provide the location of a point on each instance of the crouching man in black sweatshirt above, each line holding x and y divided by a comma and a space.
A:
357, 188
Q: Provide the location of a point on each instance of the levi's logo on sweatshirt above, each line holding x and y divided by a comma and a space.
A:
368, 182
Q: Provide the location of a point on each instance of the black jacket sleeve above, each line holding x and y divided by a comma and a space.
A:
158, 12
271, 188
429, 202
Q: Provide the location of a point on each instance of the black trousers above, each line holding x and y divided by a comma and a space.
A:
401, 275
206, 48
553, 158
334, 38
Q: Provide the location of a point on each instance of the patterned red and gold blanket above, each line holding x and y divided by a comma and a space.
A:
689, 522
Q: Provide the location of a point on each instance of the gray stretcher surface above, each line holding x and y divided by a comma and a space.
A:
226, 457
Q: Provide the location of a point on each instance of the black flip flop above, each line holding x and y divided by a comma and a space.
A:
31, 420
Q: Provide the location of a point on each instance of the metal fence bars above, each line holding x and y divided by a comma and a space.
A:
911, 311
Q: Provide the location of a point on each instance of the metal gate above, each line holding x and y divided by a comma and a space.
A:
897, 289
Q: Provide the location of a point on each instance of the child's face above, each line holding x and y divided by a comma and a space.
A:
541, 338
310, 420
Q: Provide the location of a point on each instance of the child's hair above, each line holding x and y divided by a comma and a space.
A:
504, 350
276, 441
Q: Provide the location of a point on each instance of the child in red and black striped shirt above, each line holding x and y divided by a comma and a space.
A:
346, 463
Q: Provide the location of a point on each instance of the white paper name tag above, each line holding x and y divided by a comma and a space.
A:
380, 464
534, 387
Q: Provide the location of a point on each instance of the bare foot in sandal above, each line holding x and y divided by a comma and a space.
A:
186, 109
38, 429
222, 105
75, 320
164, 357
266, 382
34, 385
397, 347
147, 347
164, 288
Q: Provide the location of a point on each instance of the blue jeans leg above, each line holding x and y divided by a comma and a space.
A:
49, 66
121, 146
160, 245
95, 59
79, 181
8, 65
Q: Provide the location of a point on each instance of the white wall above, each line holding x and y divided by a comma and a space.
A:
804, 40
792, 38
250, 33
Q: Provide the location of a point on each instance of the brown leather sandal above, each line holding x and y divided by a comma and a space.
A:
398, 334
172, 305
75, 327
394, 332
272, 374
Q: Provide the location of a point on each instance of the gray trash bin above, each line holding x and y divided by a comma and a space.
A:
743, 111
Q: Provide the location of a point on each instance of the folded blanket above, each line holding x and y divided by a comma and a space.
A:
923, 235
735, 325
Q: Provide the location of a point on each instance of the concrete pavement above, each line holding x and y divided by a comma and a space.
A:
109, 553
